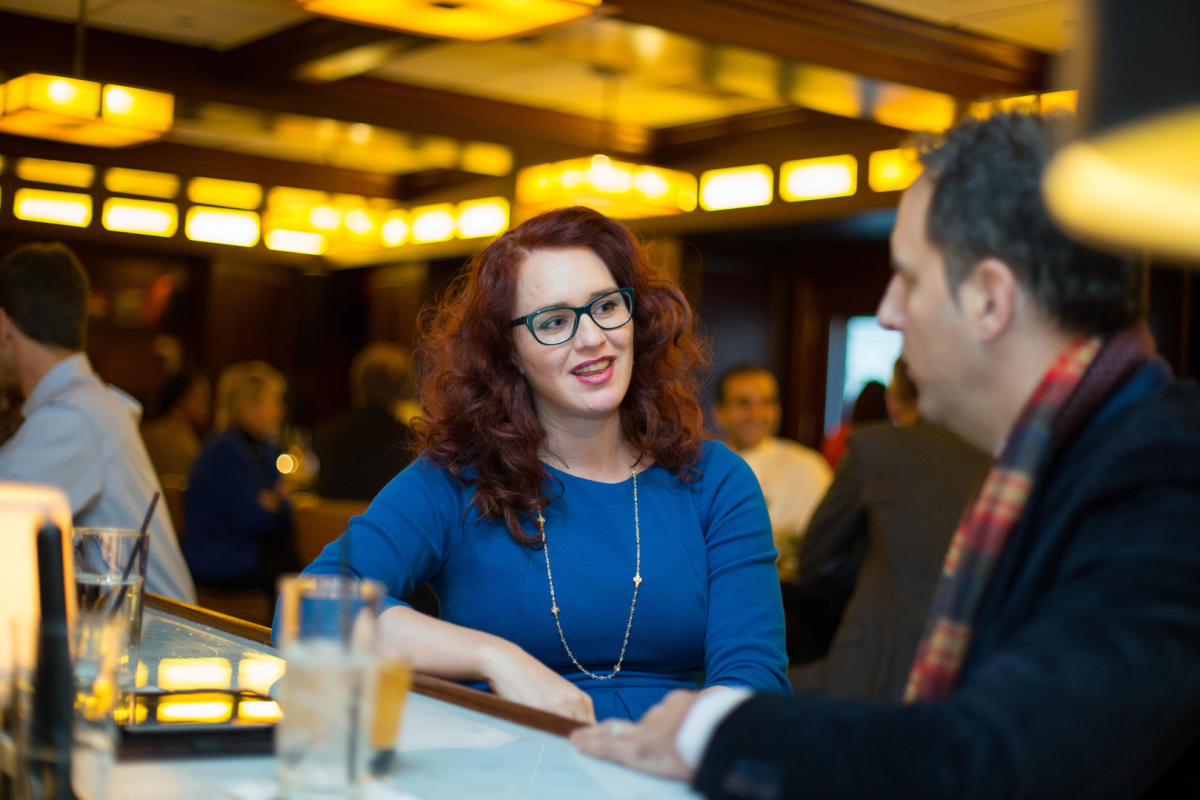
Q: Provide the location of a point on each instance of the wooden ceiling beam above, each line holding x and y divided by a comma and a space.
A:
854, 37
190, 162
199, 75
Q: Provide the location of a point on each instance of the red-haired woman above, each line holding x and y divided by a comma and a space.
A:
589, 550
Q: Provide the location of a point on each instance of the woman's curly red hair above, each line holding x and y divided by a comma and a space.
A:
478, 418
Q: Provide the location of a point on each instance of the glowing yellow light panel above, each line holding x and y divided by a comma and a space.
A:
616, 188
736, 187
395, 229
259, 672
222, 226
433, 223
66, 173
892, 170
484, 158
140, 181
817, 178
1046, 103
61, 208
259, 711
479, 20
194, 673
149, 217
230, 194
913, 109
293, 242
485, 217
195, 708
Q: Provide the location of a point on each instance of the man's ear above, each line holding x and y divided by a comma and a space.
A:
988, 297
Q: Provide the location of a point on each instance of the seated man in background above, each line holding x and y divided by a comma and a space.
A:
881, 532
1059, 658
79, 434
368, 446
793, 477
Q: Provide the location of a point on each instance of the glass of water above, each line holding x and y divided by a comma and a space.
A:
327, 636
110, 576
98, 643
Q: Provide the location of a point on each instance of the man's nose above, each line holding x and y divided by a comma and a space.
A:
890, 314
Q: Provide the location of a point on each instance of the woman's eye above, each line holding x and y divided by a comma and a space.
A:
550, 323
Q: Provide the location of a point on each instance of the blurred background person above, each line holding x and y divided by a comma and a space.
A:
793, 477
880, 536
365, 448
561, 422
78, 434
869, 406
239, 520
173, 436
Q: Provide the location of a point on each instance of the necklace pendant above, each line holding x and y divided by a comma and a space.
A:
554, 610
637, 581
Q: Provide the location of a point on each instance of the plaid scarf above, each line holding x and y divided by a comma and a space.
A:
1077, 383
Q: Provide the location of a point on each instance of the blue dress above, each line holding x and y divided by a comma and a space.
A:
708, 612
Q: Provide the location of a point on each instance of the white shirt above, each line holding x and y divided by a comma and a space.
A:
704, 717
81, 436
793, 480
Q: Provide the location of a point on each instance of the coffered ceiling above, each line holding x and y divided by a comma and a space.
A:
264, 88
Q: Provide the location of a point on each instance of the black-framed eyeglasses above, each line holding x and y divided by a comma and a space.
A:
558, 324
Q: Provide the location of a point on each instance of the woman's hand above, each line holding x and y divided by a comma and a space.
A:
455, 652
515, 675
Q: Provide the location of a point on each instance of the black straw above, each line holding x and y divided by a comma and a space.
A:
139, 555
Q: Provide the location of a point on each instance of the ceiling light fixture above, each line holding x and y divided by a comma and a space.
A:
617, 188
471, 20
84, 112
71, 109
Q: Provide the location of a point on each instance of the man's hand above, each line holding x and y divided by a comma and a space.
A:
648, 746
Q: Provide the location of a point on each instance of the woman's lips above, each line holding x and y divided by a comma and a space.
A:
596, 371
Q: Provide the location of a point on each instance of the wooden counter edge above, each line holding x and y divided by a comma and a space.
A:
428, 685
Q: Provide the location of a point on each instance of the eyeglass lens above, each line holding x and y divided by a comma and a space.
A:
557, 325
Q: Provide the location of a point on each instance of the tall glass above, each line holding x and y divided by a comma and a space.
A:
98, 643
327, 636
110, 576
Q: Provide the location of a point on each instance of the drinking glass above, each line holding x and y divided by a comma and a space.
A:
327, 635
110, 576
98, 645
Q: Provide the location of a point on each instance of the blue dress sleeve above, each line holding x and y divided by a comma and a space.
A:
401, 539
744, 638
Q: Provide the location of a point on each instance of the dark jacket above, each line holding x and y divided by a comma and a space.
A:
361, 452
229, 534
1083, 676
890, 512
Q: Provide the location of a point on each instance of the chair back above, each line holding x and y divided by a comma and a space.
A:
317, 521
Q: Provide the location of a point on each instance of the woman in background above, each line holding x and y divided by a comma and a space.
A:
239, 520
589, 550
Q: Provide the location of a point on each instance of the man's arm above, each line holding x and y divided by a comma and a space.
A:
827, 551
56, 446
1096, 695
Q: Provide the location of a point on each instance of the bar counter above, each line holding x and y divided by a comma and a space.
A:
454, 742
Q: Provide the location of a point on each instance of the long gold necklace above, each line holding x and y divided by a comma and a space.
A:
637, 584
